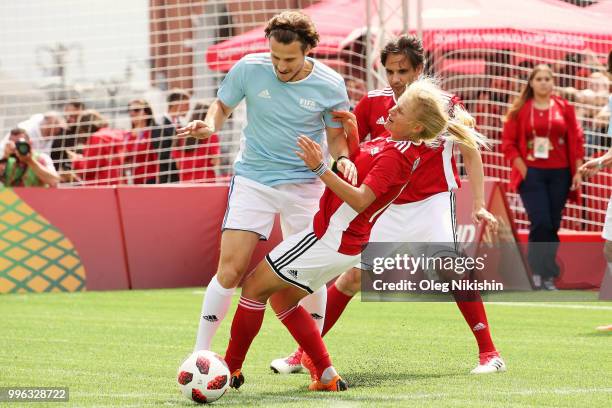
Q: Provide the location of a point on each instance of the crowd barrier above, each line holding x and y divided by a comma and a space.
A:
143, 237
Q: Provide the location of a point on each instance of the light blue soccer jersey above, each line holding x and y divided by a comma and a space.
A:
279, 112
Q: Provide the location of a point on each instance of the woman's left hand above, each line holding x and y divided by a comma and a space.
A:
482, 215
311, 152
576, 181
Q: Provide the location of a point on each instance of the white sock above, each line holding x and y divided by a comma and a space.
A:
217, 300
315, 304
328, 374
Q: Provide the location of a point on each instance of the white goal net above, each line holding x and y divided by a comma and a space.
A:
99, 63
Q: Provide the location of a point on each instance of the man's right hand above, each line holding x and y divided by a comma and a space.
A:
196, 128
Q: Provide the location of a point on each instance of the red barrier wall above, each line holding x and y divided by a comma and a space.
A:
168, 236
580, 257
172, 234
90, 219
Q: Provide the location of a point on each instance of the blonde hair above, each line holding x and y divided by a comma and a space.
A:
431, 110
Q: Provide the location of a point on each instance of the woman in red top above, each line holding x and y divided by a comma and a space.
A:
545, 145
140, 159
101, 160
197, 159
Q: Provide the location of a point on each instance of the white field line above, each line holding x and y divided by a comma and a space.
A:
519, 304
348, 397
550, 305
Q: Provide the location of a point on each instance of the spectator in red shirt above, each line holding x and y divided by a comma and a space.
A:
101, 160
544, 143
197, 159
140, 159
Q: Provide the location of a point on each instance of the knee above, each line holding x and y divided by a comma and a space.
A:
229, 275
608, 251
349, 282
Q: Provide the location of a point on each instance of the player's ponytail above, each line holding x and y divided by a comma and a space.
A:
461, 129
430, 108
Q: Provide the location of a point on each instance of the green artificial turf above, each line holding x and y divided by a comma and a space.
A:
116, 349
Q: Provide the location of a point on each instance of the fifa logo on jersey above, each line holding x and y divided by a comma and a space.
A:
308, 104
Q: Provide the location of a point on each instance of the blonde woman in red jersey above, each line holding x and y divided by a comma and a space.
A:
306, 261
430, 197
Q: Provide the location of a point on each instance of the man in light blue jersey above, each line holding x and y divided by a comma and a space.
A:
287, 94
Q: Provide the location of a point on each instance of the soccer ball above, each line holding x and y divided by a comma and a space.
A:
203, 377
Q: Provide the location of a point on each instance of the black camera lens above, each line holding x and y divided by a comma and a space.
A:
23, 147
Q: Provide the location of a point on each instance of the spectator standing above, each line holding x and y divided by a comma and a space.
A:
197, 159
66, 141
101, 162
164, 139
140, 159
23, 166
545, 146
593, 111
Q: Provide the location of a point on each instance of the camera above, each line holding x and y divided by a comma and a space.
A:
23, 147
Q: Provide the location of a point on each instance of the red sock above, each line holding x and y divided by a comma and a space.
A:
305, 331
472, 308
245, 326
336, 303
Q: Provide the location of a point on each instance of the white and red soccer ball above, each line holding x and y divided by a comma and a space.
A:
203, 377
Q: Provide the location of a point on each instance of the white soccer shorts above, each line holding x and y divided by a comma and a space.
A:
607, 229
432, 220
307, 262
253, 206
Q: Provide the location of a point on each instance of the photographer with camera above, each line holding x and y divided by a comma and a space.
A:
22, 166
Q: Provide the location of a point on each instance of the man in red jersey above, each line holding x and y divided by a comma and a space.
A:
430, 197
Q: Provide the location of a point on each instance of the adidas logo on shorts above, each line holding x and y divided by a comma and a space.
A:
292, 272
316, 316
210, 318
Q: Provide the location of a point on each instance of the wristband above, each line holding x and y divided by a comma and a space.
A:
320, 169
335, 164
341, 157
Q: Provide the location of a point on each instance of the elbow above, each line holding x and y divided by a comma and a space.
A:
360, 205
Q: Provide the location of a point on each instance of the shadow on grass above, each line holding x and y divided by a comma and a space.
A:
382, 378
596, 334
298, 396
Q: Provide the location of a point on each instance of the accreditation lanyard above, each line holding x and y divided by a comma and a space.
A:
541, 145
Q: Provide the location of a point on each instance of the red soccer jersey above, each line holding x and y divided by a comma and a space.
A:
141, 156
437, 171
196, 164
544, 120
385, 166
